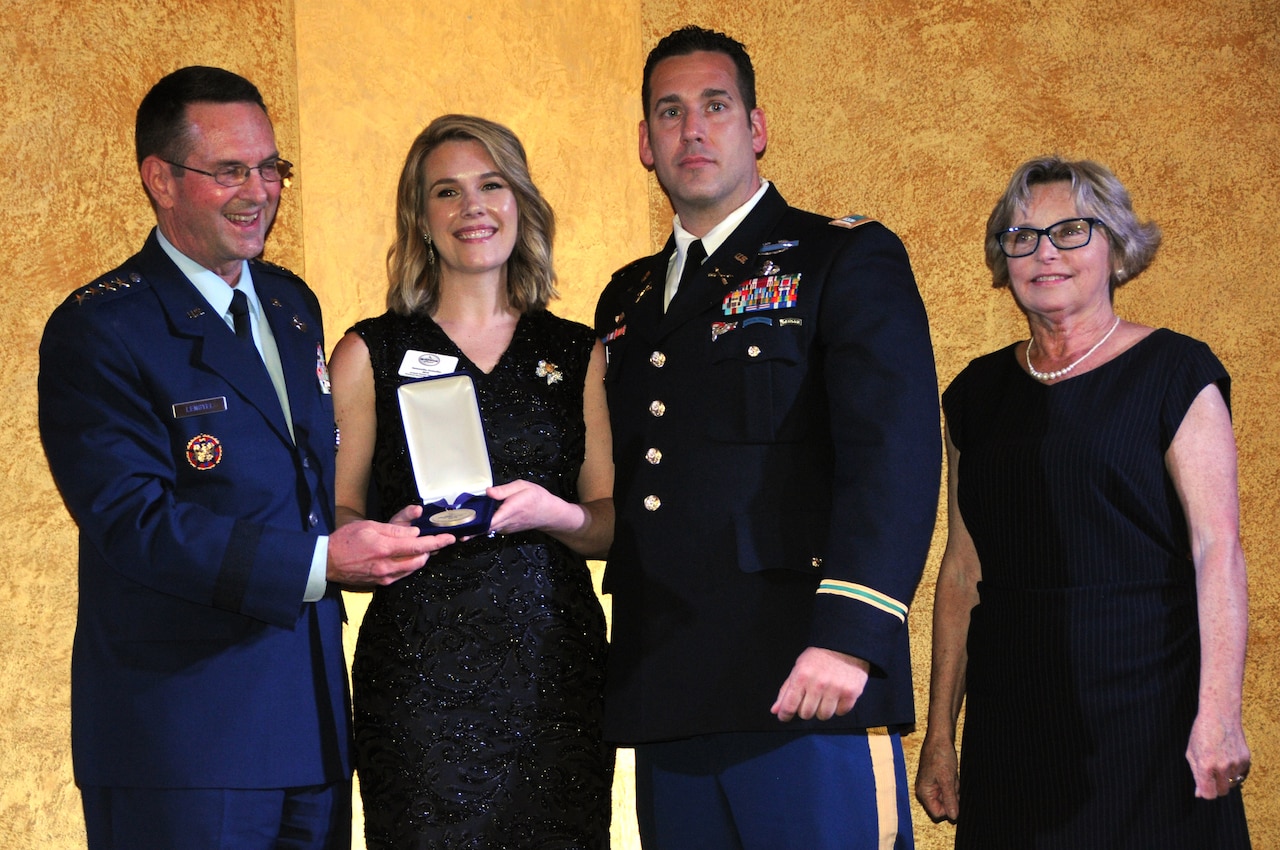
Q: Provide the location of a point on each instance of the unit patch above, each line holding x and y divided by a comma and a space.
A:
204, 451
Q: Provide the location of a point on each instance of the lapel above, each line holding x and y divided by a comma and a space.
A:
214, 345
641, 306
297, 334
732, 262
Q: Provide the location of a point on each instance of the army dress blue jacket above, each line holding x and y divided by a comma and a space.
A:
777, 447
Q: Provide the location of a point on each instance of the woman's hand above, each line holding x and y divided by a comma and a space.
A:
938, 780
1218, 754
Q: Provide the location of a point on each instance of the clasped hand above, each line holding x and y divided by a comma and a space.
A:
823, 684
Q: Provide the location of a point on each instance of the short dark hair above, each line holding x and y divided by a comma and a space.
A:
162, 129
692, 39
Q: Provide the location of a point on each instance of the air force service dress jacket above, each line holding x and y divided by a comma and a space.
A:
777, 445
195, 661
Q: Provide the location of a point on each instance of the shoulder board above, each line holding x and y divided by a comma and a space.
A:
851, 221
259, 263
629, 267
113, 283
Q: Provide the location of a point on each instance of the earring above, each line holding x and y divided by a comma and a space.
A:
431, 254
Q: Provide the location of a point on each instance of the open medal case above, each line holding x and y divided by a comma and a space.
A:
445, 434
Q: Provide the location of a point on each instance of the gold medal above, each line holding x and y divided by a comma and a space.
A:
448, 519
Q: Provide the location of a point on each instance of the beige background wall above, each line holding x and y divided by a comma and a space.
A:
914, 113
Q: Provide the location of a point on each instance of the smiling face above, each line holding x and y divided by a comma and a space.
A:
1054, 282
471, 210
700, 138
217, 226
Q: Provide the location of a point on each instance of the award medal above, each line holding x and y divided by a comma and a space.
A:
450, 518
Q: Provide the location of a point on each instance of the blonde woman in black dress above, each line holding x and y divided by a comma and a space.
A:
478, 684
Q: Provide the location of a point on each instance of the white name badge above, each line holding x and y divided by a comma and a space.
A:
424, 364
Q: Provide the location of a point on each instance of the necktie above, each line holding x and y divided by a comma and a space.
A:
240, 315
693, 257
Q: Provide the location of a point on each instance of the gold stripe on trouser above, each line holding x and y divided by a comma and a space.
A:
880, 745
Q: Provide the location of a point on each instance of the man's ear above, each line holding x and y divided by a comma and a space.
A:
646, 153
759, 131
158, 179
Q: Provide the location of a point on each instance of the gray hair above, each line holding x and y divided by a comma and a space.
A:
1098, 194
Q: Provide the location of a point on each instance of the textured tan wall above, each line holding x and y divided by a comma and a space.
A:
909, 112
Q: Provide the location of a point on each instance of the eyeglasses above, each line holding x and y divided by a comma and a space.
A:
272, 171
1066, 235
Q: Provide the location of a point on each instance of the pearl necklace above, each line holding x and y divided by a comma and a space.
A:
1058, 373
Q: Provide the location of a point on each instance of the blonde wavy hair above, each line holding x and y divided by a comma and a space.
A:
414, 281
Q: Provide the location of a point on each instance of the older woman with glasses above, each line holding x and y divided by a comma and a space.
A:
1091, 605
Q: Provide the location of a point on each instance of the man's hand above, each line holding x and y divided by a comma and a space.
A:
823, 684
365, 554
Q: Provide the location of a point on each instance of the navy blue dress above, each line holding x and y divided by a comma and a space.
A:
478, 680
1084, 648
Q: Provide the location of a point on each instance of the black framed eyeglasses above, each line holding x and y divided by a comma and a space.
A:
1066, 235
272, 171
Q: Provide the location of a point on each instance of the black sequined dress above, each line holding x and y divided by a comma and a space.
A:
478, 680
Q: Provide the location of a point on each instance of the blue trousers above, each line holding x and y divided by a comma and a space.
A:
314, 818
773, 791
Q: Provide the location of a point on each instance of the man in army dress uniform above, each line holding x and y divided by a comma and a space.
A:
777, 453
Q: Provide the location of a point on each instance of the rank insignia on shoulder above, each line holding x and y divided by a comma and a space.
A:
104, 286
204, 451
274, 267
851, 221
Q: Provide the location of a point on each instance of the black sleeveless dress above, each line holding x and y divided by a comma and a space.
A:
1084, 648
478, 680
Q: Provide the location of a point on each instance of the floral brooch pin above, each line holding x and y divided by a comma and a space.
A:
550, 371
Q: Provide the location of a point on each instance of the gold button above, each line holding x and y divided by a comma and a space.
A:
753, 351
657, 408
653, 456
652, 503
658, 359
